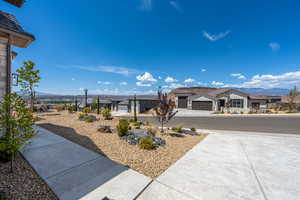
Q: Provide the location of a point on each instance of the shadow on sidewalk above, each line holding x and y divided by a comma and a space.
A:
72, 135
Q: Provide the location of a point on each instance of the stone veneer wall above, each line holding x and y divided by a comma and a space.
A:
3, 60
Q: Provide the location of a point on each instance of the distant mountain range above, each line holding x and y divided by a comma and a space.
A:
271, 91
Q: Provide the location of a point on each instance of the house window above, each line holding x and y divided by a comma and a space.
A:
237, 103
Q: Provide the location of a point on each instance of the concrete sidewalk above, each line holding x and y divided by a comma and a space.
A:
233, 167
74, 172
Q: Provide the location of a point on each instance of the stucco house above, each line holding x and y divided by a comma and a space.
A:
143, 103
11, 34
219, 99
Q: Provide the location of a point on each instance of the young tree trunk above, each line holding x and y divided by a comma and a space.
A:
162, 126
98, 105
31, 98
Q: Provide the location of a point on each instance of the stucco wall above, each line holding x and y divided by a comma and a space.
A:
3, 54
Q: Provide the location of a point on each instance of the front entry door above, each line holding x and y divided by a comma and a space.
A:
182, 102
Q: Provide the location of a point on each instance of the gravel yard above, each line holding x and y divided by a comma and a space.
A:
148, 162
24, 183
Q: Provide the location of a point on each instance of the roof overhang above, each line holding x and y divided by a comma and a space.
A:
17, 3
19, 39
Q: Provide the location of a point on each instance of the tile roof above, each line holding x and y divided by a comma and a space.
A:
193, 90
262, 96
218, 91
9, 22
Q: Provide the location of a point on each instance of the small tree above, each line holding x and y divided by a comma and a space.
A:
165, 109
98, 105
291, 98
28, 79
16, 123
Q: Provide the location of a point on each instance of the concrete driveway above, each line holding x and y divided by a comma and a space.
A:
233, 167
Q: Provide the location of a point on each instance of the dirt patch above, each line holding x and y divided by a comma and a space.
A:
148, 162
23, 183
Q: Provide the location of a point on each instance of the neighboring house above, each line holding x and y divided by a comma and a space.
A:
11, 34
219, 99
285, 99
143, 103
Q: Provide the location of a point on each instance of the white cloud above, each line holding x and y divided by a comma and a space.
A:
104, 83
176, 5
202, 83
141, 84
238, 76
285, 80
274, 46
189, 80
146, 5
111, 69
216, 37
203, 70
146, 77
124, 83
170, 80
216, 83
159, 77
175, 85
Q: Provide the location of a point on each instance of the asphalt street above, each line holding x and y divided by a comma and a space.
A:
270, 124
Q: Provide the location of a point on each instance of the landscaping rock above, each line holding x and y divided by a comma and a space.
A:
140, 133
189, 132
135, 135
92, 117
105, 129
158, 141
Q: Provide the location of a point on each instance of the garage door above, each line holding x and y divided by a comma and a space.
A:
182, 102
202, 105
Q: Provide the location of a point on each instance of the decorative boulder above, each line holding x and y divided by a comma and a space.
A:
91, 117
135, 135
189, 132
105, 129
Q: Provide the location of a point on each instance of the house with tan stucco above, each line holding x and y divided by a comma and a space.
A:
219, 99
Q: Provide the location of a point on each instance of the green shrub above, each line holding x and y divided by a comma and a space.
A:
88, 120
136, 123
59, 108
146, 143
71, 109
131, 120
193, 129
123, 127
177, 129
86, 110
152, 132
81, 115
106, 113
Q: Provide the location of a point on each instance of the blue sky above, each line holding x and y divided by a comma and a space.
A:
123, 47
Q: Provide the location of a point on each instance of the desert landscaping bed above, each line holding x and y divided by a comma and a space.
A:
148, 162
23, 183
